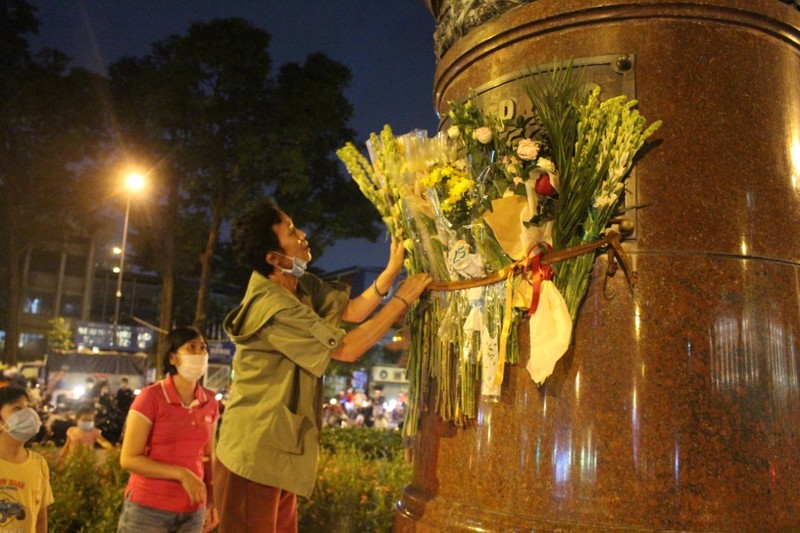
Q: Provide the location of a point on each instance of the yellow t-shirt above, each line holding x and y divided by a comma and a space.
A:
24, 489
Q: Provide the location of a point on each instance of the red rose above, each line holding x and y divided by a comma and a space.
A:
543, 186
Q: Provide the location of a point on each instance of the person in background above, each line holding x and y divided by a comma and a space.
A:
124, 396
84, 433
35, 393
379, 418
24, 474
104, 396
286, 330
90, 390
123, 400
365, 413
169, 445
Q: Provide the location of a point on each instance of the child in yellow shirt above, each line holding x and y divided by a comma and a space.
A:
24, 476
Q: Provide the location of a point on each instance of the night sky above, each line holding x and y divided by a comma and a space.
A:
387, 44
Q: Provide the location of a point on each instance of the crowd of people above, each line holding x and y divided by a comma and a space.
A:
286, 330
160, 445
356, 409
60, 413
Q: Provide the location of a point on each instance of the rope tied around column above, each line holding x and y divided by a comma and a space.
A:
616, 258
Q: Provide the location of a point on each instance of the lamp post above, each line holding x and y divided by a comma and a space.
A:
133, 182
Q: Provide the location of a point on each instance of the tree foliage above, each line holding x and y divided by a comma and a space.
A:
51, 128
203, 114
309, 123
228, 131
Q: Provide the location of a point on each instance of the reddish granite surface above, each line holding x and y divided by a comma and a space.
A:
677, 409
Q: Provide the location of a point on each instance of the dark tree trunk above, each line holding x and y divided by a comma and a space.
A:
201, 309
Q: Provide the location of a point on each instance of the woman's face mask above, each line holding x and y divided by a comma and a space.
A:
192, 367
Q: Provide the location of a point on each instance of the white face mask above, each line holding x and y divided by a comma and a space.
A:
298, 266
192, 367
23, 424
86, 425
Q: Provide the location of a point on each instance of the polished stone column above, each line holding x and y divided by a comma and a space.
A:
678, 407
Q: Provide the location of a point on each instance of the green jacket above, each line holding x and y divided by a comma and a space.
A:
270, 428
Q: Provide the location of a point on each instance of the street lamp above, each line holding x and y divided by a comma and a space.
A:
133, 182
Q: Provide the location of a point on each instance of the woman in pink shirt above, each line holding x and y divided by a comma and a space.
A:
169, 445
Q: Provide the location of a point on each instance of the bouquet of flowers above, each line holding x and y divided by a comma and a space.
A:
476, 206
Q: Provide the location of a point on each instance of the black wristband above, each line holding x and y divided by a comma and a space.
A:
408, 305
375, 288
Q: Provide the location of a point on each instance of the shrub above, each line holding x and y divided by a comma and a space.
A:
361, 475
371, 443
87, 489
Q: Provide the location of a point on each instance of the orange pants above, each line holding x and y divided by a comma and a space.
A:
245, 505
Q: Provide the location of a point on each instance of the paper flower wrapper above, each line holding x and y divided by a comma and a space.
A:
550, 328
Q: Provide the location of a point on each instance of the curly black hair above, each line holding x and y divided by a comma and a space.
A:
177, 338
252, 235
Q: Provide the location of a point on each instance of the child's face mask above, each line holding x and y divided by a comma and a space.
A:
23, 424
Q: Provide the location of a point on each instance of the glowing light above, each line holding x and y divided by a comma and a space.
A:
134, 181
218, 396
637, 321
744, 248
77, 392
115, 270
136, 392
117, 250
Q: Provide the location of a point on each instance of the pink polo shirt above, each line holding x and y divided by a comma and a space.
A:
178, 436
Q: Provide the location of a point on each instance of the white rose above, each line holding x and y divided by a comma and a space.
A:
483, 135
528, 149
546, 165
453, 132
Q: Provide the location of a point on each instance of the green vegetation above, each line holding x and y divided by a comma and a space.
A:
361, 476
88, 490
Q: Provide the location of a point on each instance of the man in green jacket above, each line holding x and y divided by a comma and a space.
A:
286, 330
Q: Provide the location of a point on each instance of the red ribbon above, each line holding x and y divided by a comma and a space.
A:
539, 273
